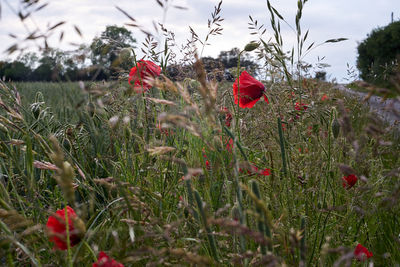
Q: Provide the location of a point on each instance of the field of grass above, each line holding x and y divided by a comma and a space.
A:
133, 167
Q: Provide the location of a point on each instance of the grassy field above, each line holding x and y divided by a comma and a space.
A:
180, 175
155, 179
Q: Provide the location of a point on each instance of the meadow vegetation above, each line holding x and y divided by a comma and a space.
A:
180, 174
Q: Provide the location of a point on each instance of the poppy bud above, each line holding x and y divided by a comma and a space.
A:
251, 46
3, 128
125, 54
335, 128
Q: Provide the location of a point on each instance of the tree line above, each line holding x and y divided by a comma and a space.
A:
101, 60
109, 56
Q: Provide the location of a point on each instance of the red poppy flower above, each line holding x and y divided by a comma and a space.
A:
254, 170
349, 181
250, 89
56, 228
141, 72
105, 261
300, 107
228, 117
324, 97
283, 126
303, 150
229, 144
163, 130
265, 172
208, 166
361, 253
309, 130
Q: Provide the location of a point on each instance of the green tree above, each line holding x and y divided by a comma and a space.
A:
377, 54
16, 71
3, 66
30, 59
110, 50
229, 60
51, 65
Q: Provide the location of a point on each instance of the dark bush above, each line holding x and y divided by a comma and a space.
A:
377, 54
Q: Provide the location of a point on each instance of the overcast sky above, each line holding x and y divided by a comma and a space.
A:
326, 19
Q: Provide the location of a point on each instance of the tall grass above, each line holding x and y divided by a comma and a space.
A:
133, 166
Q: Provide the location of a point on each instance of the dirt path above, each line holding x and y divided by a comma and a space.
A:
388, 110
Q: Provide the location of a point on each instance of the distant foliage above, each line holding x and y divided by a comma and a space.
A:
221, 68
108, 57
110, 50
320, 75
378, 54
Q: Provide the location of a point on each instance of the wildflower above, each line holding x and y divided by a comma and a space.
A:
301, 150
105, 261
309, 130
300, 106
361, 253
229, 144
163, 130
254, 170
250, 91
349, 181
208, 166
265, 172
57, 231
283, 126
228, 117
140, 74
324, 97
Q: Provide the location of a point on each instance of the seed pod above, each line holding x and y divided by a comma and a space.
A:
3, 128
251, 46
80, 227
335, 128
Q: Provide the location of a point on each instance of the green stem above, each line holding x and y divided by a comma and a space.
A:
238, 97
282, 145
262, 225
69, 259
303, 240
210, 236
90, 250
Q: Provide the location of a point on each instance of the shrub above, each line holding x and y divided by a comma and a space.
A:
377, 54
